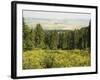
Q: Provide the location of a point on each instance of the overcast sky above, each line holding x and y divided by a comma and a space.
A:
55, 15
65, 20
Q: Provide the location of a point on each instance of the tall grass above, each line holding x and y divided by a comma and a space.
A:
39, 59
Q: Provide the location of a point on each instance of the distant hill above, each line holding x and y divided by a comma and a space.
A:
49, 24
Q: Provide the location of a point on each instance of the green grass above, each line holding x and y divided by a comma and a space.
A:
39, 59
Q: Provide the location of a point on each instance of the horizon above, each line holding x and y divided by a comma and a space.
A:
50, 20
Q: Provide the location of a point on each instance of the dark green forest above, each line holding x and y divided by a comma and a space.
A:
56, 39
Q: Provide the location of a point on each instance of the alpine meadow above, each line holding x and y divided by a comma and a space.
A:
56, 40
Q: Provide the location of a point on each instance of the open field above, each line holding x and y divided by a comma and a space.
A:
38, 59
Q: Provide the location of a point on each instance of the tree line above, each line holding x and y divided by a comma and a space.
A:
56, 39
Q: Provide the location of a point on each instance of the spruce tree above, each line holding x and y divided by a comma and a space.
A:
39, 36
54, 40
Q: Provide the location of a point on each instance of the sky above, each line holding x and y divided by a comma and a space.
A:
56, 20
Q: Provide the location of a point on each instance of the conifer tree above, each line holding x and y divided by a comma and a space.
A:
39, 36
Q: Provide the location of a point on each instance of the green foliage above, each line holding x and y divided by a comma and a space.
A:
48, 60
70, 40
64, 43
76, 39
28, 42
39, 36
38, 59
47, 40
54, 40
55, 48
32, 59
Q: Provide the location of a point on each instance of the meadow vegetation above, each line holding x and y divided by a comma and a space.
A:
39, 59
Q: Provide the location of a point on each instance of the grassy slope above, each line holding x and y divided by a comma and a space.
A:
38, 59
